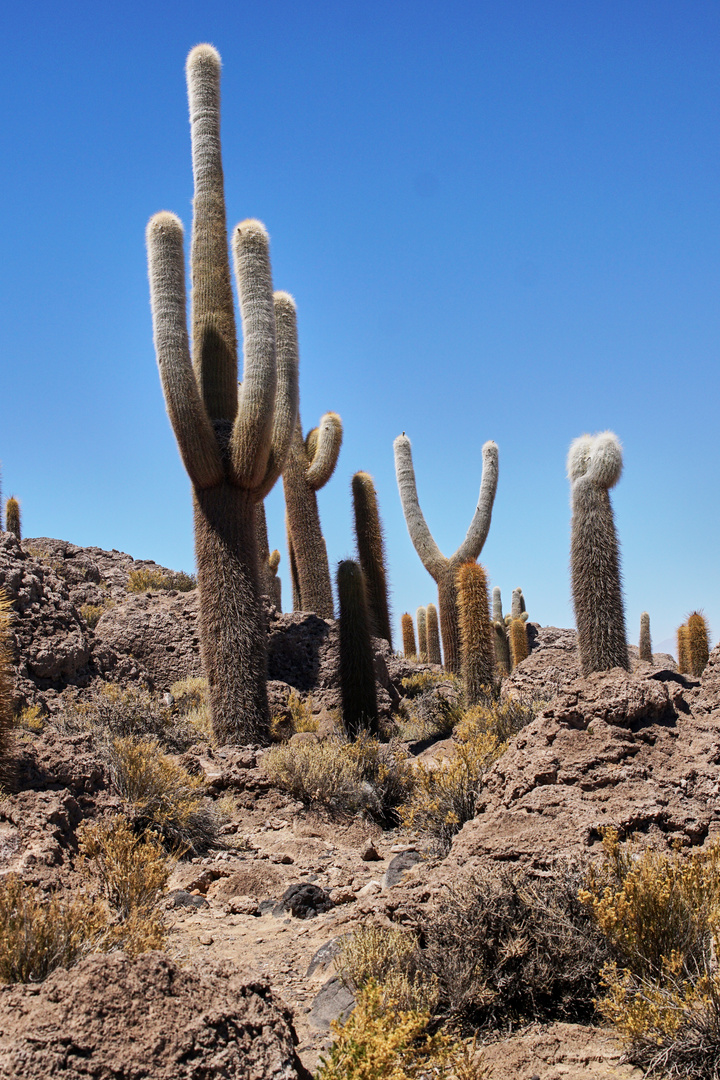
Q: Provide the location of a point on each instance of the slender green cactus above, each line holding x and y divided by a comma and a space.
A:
233, 444
594, 466
645, 646
371, 553
6, 677
497, 612
517, 634
683, 647
12, 517
432, 634
500, 638
420, 620
444, 570
408, 636
698, 643
357, 660
516, 606
478, 655
310, 464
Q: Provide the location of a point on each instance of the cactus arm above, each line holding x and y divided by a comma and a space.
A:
286, 396
430, 554
476, 536
213, 316
325, 447
188, 416
252, 431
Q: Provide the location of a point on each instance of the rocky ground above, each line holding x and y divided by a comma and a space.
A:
638, 751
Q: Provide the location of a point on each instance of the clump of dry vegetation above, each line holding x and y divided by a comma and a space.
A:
191, 707
113, 712
660, 914
162, 797
347, 777
147, 580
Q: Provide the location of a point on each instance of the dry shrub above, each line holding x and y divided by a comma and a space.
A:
132, 869
661, 916
390, 958
503, 719
381, 1040
92, 613
111, 712
443, 798
30, 719
146, 580
426, 680
506, 948
301, 718
162, 796
364, 776
192, 706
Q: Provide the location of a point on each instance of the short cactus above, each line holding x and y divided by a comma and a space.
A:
420, 619
371, 553
518, 639
645, 646
310, 464
444, 570
501, 646
478, 656
12, 517
683, 648
233, 444
408, 636
357, 660
432, 634
594, 466
497, 612
698, 643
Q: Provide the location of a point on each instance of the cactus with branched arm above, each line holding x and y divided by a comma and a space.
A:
408, 636
357, 660
594, 466
310, 464
645, 646
371, 553
432, 635
233, 442
12, 517
442, 569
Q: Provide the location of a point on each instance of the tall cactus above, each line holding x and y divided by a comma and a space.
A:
233, 444
594, 466
432, 634
698, 643
683, 648
408, 636
12, 517
310, 464
478, 657
645, 645
444, 570
518, 639
357, 661
422, 634
500, 635
371, 553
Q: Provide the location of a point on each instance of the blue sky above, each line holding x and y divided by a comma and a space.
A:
499, 220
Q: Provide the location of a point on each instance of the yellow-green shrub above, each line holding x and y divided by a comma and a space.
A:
162, 796
661, 916
111, 711
146, 580
133, 870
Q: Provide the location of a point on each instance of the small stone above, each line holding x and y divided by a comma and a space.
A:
205, 939
342, 895
397, 849
284, 858
369, 852
242, 905
371, 889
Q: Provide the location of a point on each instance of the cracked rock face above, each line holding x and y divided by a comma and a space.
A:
112, 1018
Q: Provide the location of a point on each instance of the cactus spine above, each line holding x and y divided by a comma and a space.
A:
420, 619
310, 464
233, 445
408, 636
645, 646
357, 660
698, 644
683, 647
518, 641
12, 517
371, 553
478, 657
594, 466
432, 634
444, 570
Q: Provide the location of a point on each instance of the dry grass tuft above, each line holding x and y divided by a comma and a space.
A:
146, 580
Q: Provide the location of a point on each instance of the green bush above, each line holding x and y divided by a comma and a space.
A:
147, 580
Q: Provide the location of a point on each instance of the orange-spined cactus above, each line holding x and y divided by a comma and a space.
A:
478, 656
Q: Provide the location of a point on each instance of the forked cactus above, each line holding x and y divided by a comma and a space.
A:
310, 464
371, 553
432, 634
444, 570
594, 465
233, 444
408, 636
